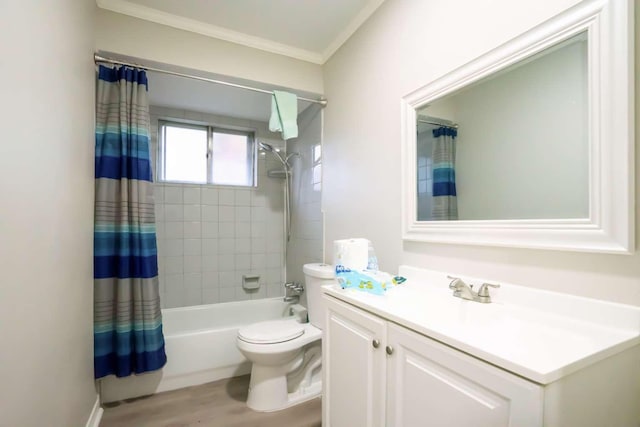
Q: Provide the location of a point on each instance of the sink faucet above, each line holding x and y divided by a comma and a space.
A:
464, 291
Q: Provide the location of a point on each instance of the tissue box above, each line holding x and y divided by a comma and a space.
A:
375, 282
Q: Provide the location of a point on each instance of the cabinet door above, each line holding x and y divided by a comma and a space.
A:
353, 368
431, 384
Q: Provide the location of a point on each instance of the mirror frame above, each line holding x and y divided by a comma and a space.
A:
610, 225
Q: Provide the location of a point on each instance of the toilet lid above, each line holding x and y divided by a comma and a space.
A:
271, 332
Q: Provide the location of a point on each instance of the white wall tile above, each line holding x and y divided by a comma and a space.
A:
159, 230
209, 246
258, 213
174, 282
258, 261
242, 246
275, 290
159, 211
209, 213
192, 230
193, 280
192, 297
192, 246
275, 245
173, 212
241, 294
274, 275
173, 230
227, 263
227, 295
173, 247
243, 261
258, 245
243, 229
209, 230
226, 196
227, 279
226, 230
210, 296
227, 213
173, 264
242, 198
210, 280
191, 212
209, 196
173, 194
258, 198
191, 195
158, 194
274, 259
192, 264
210, 264
227, 246
243, 213
259, 293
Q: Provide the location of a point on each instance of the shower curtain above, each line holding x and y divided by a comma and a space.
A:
127, 320
445, 204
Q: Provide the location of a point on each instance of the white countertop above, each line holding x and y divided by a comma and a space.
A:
539, 335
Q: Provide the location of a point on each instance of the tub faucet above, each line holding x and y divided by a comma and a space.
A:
464, 291
292, 291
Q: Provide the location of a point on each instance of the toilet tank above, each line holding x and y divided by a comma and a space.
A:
315, 276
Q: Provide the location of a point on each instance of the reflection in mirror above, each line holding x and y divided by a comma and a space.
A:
511, 146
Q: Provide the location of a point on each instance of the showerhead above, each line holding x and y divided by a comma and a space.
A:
266, 147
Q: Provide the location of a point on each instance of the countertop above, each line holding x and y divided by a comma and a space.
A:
539, 335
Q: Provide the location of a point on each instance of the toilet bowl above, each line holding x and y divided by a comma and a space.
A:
285, 354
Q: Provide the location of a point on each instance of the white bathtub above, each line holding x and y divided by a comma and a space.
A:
200, 343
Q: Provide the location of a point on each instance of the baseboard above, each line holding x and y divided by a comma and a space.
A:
96, 414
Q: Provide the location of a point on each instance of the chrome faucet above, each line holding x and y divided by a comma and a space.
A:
464, 291
292, 291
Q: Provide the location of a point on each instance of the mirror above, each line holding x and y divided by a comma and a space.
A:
531, 144
512, 145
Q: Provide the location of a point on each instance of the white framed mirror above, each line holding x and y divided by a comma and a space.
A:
532, 144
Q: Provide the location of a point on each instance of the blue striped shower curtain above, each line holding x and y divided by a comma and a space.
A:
127, 319
445, 202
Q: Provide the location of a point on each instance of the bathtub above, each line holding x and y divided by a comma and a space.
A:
201, 347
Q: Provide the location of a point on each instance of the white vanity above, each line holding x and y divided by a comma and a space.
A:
418, 356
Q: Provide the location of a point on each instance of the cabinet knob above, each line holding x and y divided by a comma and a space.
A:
375, 343
389, 350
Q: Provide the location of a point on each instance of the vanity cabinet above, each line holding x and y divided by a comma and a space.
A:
377, 373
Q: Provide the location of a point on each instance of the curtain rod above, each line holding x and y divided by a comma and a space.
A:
97, 58
452, 125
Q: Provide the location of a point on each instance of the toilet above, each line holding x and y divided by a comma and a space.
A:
286, 355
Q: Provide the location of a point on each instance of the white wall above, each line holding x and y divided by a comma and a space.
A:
209, 236
130, 36
305, 245
403, 46
46, 220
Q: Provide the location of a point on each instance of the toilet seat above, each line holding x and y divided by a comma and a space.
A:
271, 332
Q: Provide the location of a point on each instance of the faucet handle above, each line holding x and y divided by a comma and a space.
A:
484, 289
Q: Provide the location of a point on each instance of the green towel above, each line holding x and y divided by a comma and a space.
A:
284, 114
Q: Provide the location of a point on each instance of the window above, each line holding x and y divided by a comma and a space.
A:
425, 175
206, 155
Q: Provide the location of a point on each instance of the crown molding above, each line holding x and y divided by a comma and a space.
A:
351, 28
159, 17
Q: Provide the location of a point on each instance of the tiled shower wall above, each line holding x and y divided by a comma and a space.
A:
210, 236
305, 245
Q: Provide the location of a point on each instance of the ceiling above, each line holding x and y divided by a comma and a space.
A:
187, 94
310, 30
